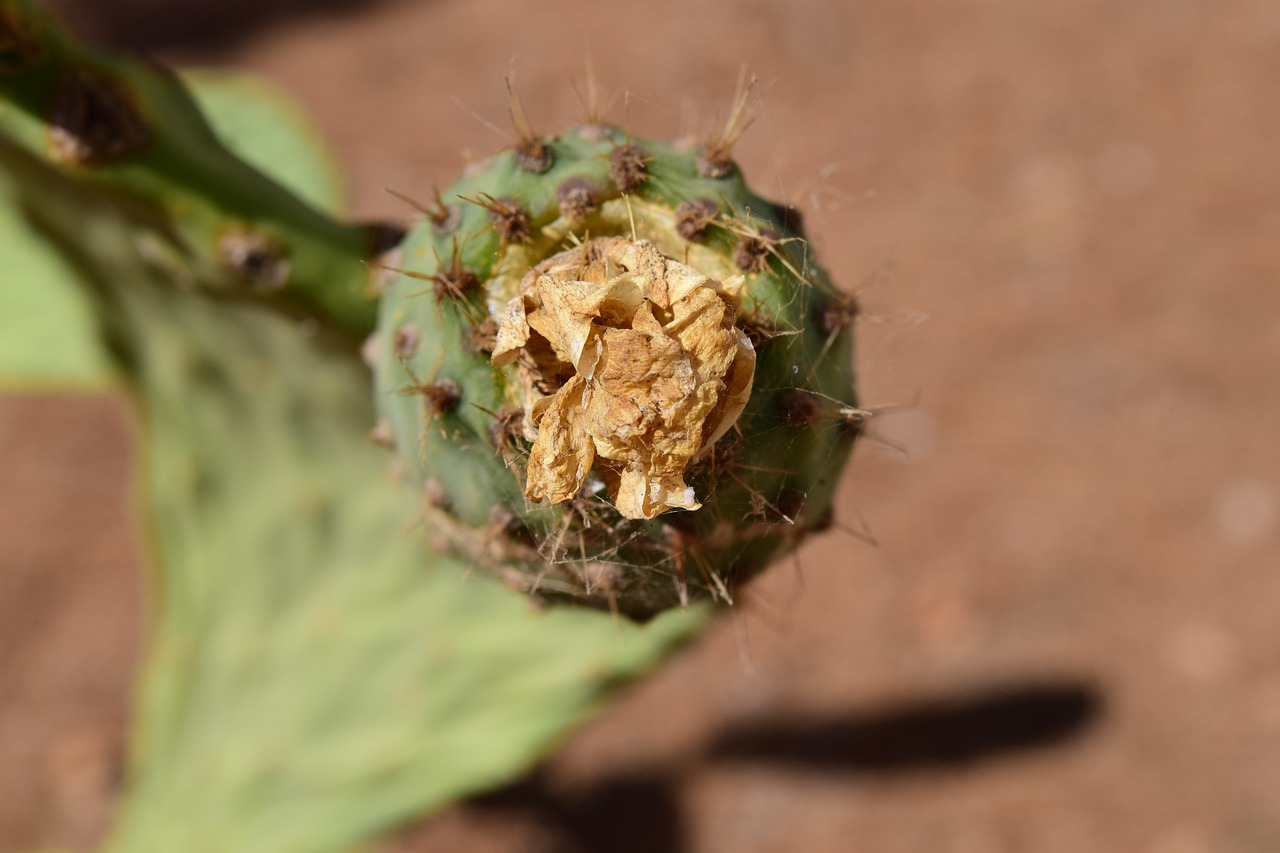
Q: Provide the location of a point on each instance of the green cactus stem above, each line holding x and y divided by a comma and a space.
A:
133, 128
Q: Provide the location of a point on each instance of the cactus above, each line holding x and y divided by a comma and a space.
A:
615, 372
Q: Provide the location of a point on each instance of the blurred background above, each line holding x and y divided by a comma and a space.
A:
1063, 223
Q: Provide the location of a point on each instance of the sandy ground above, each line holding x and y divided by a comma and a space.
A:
1062, 220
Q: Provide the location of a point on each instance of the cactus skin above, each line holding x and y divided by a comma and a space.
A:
766, 484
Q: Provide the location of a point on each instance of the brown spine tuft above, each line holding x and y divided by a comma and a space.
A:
482, 337
442, 396
253, 256
444, 218
577, 197
834, 314
752, 253
94, 121
694, 216
532, 154
627, 165
512, 221
507, 429
715, 159
454, 282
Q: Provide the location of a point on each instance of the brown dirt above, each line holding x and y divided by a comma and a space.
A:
1062, 219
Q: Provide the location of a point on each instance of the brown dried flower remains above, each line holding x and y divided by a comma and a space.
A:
629, 362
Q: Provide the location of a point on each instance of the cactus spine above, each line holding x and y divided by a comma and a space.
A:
615, 372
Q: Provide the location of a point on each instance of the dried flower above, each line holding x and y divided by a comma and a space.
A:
629, 361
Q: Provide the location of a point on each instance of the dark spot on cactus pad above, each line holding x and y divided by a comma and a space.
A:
383, 238
723, 457
435, 495
685, 523
577, 197
825, 520
627, 166
835, 313
510, 219
406, 340
481, 338
94, 120
759, 328
790, 218
254, 256
383, 254
790, 503
752, 252
382, 435
799, 408
693, 217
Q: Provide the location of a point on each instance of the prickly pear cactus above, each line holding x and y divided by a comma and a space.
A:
615, 373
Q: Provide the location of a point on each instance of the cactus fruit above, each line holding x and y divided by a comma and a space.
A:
615, 373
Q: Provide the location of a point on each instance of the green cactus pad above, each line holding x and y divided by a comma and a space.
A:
454, 416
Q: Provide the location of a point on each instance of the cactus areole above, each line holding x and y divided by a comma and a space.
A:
615, 374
